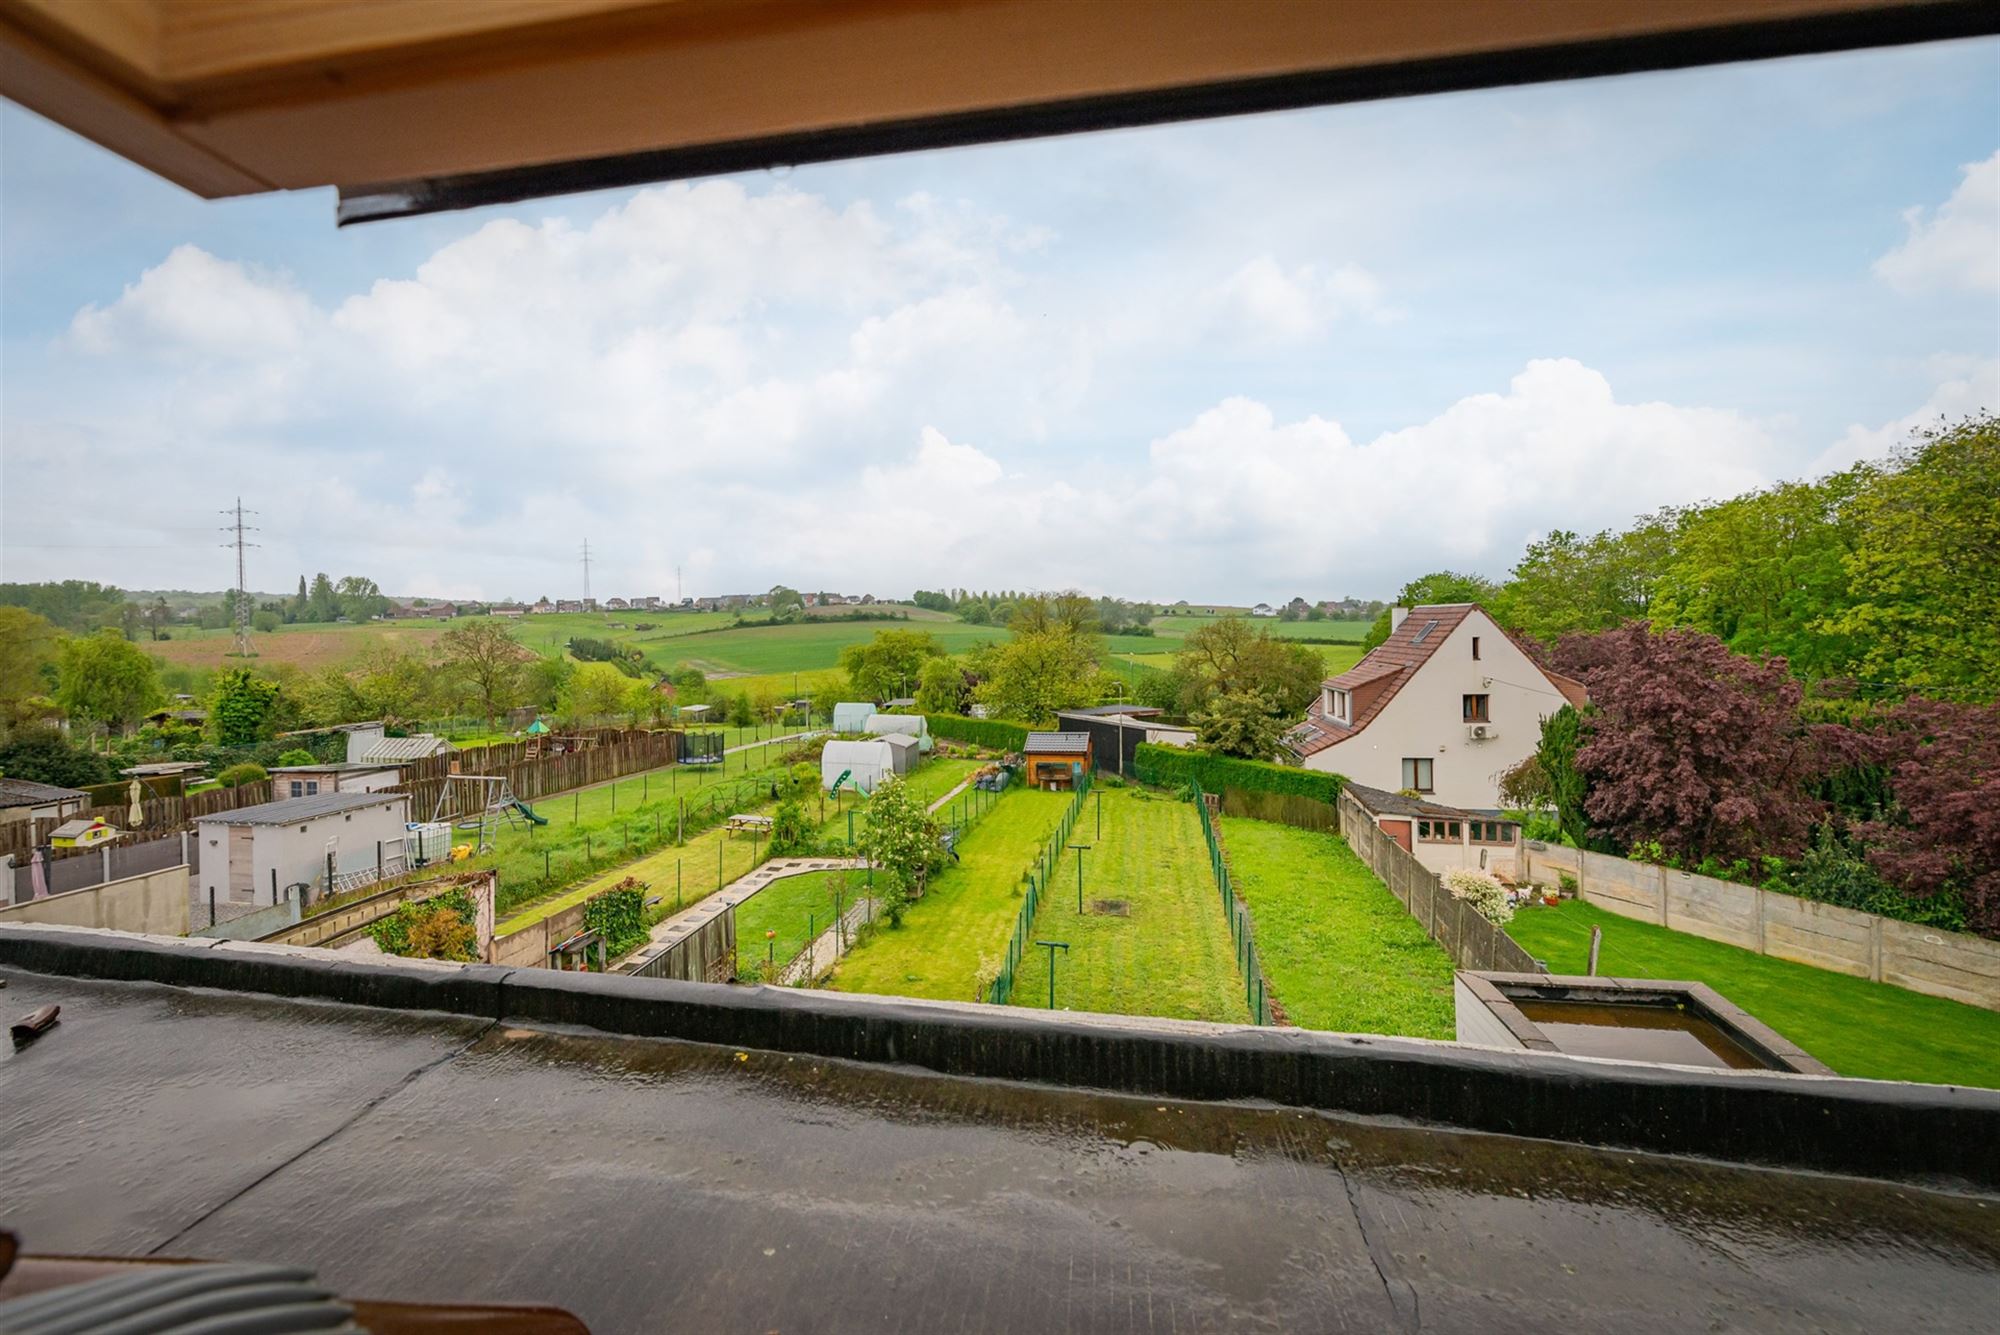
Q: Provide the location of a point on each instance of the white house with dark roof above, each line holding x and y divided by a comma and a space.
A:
1443, 707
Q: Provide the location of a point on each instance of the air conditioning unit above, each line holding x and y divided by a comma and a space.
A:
1480, 732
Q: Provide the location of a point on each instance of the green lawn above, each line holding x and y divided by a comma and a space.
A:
1340, 952
958, 931
796, 908
1171, 953
1857, 1027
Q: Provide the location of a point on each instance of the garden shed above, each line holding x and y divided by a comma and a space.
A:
904, 753
906, 725
851, 717
252, 854
1054, 759
863, 764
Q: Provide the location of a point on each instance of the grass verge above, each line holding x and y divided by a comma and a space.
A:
1340, 952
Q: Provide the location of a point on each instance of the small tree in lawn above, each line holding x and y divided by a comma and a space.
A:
901, 839
791, 829
1241, 723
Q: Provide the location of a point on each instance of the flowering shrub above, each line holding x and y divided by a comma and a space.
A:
1481, 890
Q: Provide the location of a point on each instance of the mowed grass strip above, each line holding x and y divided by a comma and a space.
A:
1171, 952
960, 928
1340, 952
1857, 1027
796, 908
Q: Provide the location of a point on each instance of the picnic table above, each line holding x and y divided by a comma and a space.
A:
758, 823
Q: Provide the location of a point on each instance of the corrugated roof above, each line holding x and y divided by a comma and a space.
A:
395, 750
1110, 711
21, 792
1058, 743
299, 810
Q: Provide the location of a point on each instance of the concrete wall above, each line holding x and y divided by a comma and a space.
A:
1923, 959
1425, 719
155, 903
1475, 1023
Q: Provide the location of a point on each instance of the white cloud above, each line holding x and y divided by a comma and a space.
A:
1265, 302
1966, 385
192, 305
1956, 246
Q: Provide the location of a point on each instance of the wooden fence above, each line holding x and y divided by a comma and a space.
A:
611, 755
705, 955
1470, 940
1307, 813
160, 816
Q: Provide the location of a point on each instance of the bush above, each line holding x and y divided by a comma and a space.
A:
1481, 890
238, 775
995, 734
619, 916
791, 829
438, 928
298, 755
1172, 766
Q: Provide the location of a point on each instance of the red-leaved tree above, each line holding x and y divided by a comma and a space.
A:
1692, 745
1944, 833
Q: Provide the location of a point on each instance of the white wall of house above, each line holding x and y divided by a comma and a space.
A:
311, 783
298, 852
1441, 856
1425, 720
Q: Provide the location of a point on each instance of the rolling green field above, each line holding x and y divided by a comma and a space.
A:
957, 933
1164, 948
1340, 952
1857, 1027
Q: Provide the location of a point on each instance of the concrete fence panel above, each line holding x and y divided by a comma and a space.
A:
1953, 965
154, 902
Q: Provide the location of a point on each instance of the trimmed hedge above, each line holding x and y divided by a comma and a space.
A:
1172, 766
993, 734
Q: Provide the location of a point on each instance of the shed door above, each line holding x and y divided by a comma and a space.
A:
242, 869
1399, 830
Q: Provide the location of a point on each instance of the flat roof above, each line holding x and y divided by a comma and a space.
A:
295, 810
761, 1191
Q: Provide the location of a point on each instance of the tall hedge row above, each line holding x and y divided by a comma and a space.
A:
1172, 766
994, 734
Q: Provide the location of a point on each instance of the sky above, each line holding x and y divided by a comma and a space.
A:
1313, 353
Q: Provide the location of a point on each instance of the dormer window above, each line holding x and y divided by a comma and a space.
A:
1339, 705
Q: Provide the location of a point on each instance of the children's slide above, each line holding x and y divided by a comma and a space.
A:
529, 812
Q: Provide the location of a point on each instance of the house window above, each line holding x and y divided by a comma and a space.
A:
1438, 831
1475, 646
1337, 705
1493, 832
1475, 708
1417, 774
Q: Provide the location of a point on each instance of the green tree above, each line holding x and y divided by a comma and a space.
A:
489, 661
1443, 586
786, 604
1241, 723
942, 688
898, 835
242, 707
791, 829
890, 664
1924, 574
1038, 672
27, 660
106, 678
1231, 657
1565, 582
301, 602
323, 604
397, 686
298, 755
742, 713
44, 755
1563, 785
593, 691
358, 598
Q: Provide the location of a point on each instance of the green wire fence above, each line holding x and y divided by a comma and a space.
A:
1238, 913
1038, 876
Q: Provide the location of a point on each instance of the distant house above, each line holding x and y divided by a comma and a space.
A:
1442, 837
1263, 610
569, 605
192, 717
341, 776
24, 799
616, 605
649, 603
1442, 708
543, 607
507, 610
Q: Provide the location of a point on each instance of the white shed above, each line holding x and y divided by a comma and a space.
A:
850, 717
253, 854
906, 725
864, 764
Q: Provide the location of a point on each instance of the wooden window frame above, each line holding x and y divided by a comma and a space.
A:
1440, 832
1475, 648
1476, 707
1413, 769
